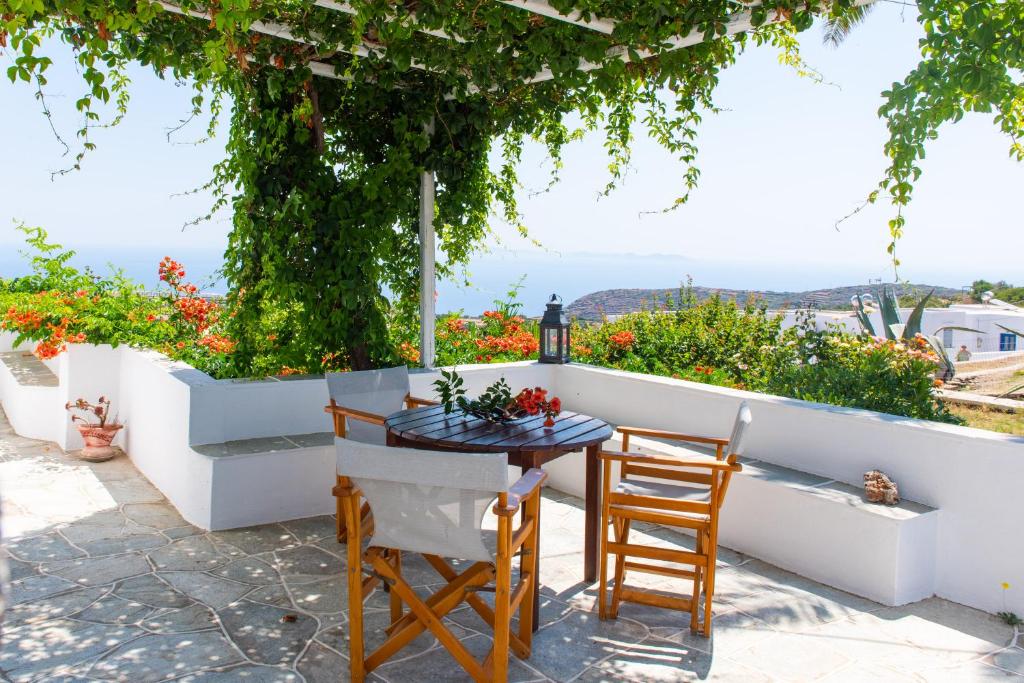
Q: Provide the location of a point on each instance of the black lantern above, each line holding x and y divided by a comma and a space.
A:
554, 333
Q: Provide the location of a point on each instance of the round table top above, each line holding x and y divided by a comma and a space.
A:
431, 427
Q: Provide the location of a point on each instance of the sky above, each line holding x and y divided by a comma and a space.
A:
783, 161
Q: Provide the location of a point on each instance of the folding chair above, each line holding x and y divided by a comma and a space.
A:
671, 491
433, 503
360, 401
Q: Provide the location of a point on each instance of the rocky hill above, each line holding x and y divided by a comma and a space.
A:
618, 301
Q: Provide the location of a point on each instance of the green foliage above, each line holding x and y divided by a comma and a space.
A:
1010, 619
57, 305
1001, 290
737, 343
890, 376
322, 174
449, 390
972, 60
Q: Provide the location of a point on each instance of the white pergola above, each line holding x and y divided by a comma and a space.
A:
739, 22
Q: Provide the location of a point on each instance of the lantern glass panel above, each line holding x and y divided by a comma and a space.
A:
551, 348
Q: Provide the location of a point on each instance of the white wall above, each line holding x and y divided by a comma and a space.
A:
974, 477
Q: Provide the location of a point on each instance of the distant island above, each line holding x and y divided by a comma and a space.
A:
619, 301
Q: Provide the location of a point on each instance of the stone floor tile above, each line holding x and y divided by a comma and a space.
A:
769, 624
249, 570
858, 672
307, 563
36, 588
374, 623
863, 639
551, 610
263, 635
1011, 659
99, 571
182, 531
794, 610
320, 663
324, 596
151, 590
18, 570
133, 490
111, 609
43, 651
652, 661
209, 590
52, 606
946, 629
257, 539
117, 545
579, 641
106, 523
788, 657
157, 657
154, 515
194, 553
274, 594
195, 617
975, 670
247, 673
311, 529
439, 665
43, 548
731, 632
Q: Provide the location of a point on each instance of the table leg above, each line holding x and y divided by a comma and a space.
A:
529, 461
593, 505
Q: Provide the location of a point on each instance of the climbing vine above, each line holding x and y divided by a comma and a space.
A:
334, 115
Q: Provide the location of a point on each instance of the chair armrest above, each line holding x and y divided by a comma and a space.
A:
361, 415
413, 402
644, 458
527, 485
674, 436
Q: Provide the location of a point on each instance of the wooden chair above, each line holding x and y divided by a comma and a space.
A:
360, 401
672, 491
433, 503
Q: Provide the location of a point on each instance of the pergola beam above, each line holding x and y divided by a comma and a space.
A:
738, 23
541, 7
346, 8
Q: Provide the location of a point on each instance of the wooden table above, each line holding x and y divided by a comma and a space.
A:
528, 444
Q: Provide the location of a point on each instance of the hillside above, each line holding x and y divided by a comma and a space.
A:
618, 301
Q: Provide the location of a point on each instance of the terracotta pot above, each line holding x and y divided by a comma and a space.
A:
97, 442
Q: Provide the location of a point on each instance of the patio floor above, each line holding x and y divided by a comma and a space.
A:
110, 583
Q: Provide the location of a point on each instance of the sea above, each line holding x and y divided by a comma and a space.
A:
538, 274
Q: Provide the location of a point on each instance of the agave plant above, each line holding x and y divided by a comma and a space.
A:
894, 328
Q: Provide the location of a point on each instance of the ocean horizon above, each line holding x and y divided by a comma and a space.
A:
539, 273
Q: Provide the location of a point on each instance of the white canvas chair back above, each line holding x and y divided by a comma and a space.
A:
380, 392
739, 430
426, 501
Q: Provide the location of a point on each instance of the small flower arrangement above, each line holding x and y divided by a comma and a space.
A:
98, 412
497, 404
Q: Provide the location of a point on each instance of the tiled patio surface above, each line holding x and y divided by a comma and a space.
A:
109, 583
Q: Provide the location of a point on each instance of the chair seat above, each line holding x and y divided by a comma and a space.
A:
658, 489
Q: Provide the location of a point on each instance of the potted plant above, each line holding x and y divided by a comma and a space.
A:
96, 431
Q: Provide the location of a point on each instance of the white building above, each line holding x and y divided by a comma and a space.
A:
984, 317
